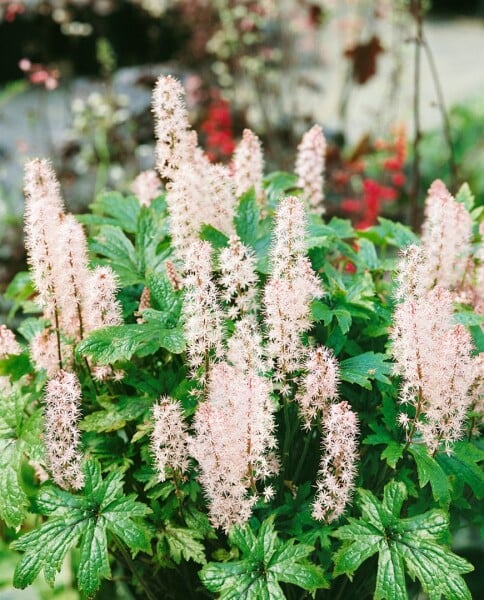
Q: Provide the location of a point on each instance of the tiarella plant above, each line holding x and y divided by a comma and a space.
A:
204, 372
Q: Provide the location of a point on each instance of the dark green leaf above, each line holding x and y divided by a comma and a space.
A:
430, 471
113, 244
123, 210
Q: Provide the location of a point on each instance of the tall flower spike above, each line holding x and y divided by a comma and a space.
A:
433, 356
446, 237
248, 165
319, 386
169, 439
289, 290
238, 277
101, 307
338, 464
71, 276
62, 437
201, 311
43, 212
310, 164
233, 442
172, 128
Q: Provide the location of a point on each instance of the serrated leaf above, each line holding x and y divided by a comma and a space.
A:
122, 210
429, 470
462, 465
15, 366
266, 560
113, 244
121, 342
86, 517
465, 196
361, 369
412, 544
185, 544
13, 499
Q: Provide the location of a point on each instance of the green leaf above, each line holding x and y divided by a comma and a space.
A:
19, 291
361, 369
465, 196
13, 499
184, 544
266, 560
15, 366
150, 232
113, 244
429, 470
123, 210
277, 184
463, 466
87, 518
165, 299
218, 239
411, 545
121, 342
247, 219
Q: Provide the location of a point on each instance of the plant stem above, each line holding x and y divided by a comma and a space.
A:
443, 111
416, 10
132, 567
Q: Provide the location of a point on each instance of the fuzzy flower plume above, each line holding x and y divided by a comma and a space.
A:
310, 164
174, 276
146, 187
338, 463
248, 165
172, 128
169, 439
201, 310
44, 351
43, 212
101, 307
446, 238
319, 386
72, 276
144, 304
290, 289
62, 438
433, 357
238, 277
8, 343
233, 442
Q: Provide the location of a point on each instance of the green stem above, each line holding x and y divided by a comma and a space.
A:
132, 567
302, 458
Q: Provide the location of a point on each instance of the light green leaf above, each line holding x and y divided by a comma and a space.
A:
465, 196
361, 369
113, 244
122, 210
184, 543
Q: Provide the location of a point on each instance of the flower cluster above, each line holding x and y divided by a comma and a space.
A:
202, 312
337, 469
310, 164
233, 442
248, 165
433, 356
218, 129
319, 386
62, 437
446, 238
74, 299
146, 187
169, 439
289, 290
238, 278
